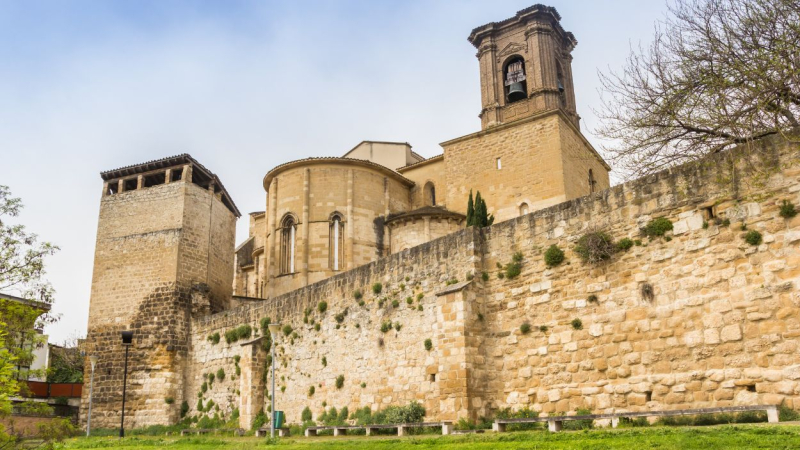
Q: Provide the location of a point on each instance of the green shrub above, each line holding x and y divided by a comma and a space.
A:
412, 413
322, 307
265, 321
210, 379
753, 237
339, 381
419, 307
324, 362
637, 242
204, 387
221, 374
480, 317
786, 414
311, 391
428, 345
501, 275
592, 299
214, 338
624, 244
577, 324
236, 359
200, 405
305, 416
657, 227
357, 295
287, 330
169, 400
543, 328
409, 300
595, 247
579, 424
339, 317
386, 326
363, 385
397, 326
377, 288
240, 332
317, 327
523, 413
553, 256
485, 276
395, 303
787, 210
513, 269
184, 408
525, 328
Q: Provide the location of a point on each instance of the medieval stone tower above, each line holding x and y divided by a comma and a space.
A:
164, 252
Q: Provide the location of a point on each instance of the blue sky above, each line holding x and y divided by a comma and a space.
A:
87, 86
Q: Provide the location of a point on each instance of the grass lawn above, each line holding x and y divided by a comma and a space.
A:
726, 437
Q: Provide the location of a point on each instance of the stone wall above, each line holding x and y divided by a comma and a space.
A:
720, 328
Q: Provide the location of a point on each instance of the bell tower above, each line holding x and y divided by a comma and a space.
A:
526, 66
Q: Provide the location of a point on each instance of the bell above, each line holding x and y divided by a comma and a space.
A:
516, 92
560, 87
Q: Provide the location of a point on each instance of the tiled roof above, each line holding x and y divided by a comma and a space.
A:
334, 159
431, 159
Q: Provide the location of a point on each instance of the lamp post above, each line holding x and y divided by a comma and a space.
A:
127, 340
93, 362
274, 330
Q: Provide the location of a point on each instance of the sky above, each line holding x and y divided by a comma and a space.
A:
88, 86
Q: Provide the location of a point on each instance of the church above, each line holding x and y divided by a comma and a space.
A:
323, 216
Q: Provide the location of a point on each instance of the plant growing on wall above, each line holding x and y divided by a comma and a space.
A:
214, 338
594, 247
322, 307
316, 327
377, 288
306, 414
753, 237
339, 317
553, 256
221, 374
592, 298
386, 326
397, 326
525, 328
787, 209
420, 296
324, 362
357, 294
470, 210
480, 217
624, 244
395, 303
184, 408
577, 324
240, 332
287, 330
428, 345
409, 300
311, 391
339, 381
543, 328
657, 227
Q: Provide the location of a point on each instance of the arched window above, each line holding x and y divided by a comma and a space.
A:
560, 79
523, 209
336, 241
592, 181
288, 234
430, 194
514, 79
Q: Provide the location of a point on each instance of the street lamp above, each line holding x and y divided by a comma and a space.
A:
93, 362
127, 340
274, 330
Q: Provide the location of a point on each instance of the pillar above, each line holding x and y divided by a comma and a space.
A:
349, 231
251, 382
306, 227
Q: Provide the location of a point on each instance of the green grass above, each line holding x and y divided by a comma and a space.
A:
724, 437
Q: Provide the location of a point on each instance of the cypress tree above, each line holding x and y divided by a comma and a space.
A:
480, 211
470, 210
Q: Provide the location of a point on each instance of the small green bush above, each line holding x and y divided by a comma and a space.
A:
306, 414
322, 306
339, 381
240, 332
517, 257
592, 299
409, 300
169, 400
705, 225
637, 242
287, 330
324, 362
594, 247
420, 296
553, 256
386, 326
657, 227
397, 326
395, 303
311, 391
787, 209
204, 387
211, 377
317, 327
753, 237
485, 276
577, 324
428, 345
480, 317
357, 295
339, 317
363, 385
419, 307
214, 338
221, 374
402, 286
377, 288
501, 275
624, 244
543, 328
525, 328
513, 269
184, 409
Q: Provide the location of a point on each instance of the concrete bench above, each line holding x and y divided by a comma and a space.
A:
340, 430
188, 431
554, 423
265, 431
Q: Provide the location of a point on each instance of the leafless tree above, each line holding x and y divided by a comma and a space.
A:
719, 73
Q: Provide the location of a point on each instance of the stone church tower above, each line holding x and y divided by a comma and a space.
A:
164, 253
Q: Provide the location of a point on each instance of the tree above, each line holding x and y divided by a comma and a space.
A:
480, 216
470, 210
719, 73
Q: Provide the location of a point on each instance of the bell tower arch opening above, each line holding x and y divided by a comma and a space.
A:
516, 87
